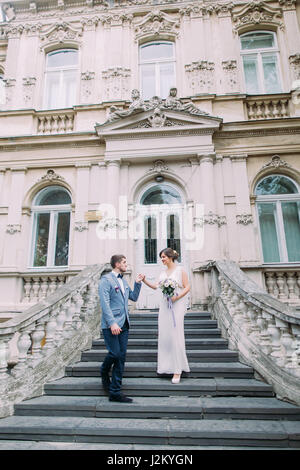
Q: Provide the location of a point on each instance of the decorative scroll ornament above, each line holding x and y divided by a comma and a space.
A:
244, 219
61, 32
156, 23
13, 228
159, 166
81, 226
51, 176
257, 12
276, 162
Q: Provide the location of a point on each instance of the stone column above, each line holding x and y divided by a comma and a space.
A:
223, 235
232, 249
244, 218
112, 216
80, 226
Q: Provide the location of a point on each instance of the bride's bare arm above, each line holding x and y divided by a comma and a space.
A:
150, 284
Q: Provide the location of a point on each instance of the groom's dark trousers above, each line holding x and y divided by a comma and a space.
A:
117, 347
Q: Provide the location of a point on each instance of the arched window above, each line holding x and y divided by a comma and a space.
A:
2, 90
51, 227
61, 77
278, 205
157, 69
260, 56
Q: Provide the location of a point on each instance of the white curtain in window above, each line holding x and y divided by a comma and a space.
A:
61, 79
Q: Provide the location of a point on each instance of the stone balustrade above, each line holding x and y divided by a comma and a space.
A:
284, 284
57, 122
267, 107
37, 286
265, 331
50, 335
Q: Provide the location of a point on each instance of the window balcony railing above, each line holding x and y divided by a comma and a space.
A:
55, 122
37, 286
267, 106
283, 283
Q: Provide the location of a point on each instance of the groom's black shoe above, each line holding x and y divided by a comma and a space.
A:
120, 398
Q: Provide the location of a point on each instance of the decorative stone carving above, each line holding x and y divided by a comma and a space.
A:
200, 76
230, 75
295, 66
81, 226
61, 32
159, 166
8, 12
287, 4
276, 162
118, 19
116, 83
244, 219
51, 176
9, 89
138, 105
87, 81
13, 228
28, 89
210, 219
257, 12
156, 23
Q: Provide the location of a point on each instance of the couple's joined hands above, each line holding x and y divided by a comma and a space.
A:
140, 277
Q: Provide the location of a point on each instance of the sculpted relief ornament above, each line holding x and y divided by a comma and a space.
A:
156, 23
158, 105
257, 12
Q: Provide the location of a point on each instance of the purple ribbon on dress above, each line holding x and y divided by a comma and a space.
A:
170, 305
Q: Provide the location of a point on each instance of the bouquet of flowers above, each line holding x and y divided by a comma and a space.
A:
168, 287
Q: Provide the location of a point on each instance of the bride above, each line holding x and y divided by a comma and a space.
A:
171, 343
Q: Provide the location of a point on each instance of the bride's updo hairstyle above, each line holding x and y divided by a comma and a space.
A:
170, 253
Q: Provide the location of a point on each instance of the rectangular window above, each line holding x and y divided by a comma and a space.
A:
267, 222
150, 240
62, 239
251, 74
271, 76
41, 240
291, 221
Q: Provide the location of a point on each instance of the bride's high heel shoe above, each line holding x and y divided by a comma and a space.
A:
175, 380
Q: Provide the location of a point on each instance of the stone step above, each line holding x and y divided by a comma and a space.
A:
148, 369
142, 324
146, 343
187, 408
188, 332
206, 432
154, 315
193, 355
92, 386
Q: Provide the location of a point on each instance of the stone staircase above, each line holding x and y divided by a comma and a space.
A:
218, 405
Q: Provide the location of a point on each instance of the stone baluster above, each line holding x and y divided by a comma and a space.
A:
60, 321
78, 304
286, 342
54, 127
24, 343
52, 285
253, 315
47, 128
270, 283
35, 290
291, 283
50, 334
284, 111
27, 290
275, 336
296, 353
236, 314
69, 125
280, 281
44, 287
276, 112
37, 335
251, 114
70, 311
264, 335
3, 359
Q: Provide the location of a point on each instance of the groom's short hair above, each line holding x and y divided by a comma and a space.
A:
116, 259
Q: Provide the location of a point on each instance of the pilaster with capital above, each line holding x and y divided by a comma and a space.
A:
80, 230
244, 217
207, 198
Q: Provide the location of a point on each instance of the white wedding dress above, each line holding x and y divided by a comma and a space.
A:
171, 358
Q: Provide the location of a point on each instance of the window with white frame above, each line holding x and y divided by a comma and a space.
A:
278, 206
61, 79
157, 69
260, 56
51, 227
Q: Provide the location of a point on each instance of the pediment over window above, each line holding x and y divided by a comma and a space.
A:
257, 12
156, 23
158, 115
60, 33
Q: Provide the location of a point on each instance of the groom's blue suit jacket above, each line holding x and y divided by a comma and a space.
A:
113, 303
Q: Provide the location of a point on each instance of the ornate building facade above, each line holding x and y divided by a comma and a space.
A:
132, 125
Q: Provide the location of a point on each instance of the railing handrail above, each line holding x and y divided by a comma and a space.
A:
42, 308
250, 290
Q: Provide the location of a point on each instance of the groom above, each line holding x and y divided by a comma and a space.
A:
114, 293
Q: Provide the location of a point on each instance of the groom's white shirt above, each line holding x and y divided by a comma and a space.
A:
120, 281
